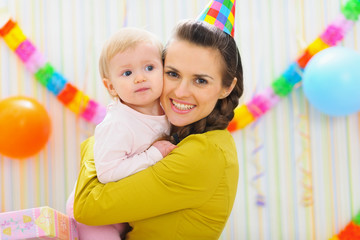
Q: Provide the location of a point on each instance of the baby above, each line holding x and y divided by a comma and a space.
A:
131, 69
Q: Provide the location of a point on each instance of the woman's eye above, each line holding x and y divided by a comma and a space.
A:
127, 73
201, 81
172, 74
149, 68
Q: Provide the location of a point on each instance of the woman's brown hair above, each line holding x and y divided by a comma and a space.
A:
206, 35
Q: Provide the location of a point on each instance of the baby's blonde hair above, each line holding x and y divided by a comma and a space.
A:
122, 40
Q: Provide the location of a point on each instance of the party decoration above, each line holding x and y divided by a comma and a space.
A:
260, 169
220, 13
37, 223
351, 230
304, 161
74, 99
283, 85
24, 126
331, 81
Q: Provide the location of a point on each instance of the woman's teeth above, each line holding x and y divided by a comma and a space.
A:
182, 106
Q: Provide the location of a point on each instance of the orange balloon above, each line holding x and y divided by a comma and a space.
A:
24, 127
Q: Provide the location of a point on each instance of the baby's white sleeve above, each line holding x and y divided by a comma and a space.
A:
112, 153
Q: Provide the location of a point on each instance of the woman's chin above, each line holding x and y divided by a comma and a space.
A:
178, 121
177, 124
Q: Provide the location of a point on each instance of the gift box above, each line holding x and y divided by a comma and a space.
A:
37, 223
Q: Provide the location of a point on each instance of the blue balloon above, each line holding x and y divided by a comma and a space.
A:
331, 81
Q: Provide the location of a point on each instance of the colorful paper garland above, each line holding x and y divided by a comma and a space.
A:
90, 110
351, 231
74, 99
284, 84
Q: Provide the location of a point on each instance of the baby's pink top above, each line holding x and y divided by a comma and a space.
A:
122, 142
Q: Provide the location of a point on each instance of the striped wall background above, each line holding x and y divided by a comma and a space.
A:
304, 165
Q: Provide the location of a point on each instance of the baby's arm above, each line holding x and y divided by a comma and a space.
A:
115, 164
113, 153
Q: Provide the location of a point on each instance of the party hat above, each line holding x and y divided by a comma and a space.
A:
220, 13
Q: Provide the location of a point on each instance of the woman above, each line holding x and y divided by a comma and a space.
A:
189, 194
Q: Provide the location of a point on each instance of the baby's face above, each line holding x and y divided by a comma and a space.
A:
136, 76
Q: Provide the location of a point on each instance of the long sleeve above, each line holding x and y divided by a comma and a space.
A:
116, 151
186, 178
122, 142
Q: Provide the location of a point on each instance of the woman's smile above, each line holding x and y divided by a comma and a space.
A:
181, 107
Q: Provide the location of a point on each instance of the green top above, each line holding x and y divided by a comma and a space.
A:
188, 195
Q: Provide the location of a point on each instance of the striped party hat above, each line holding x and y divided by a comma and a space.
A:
220, 13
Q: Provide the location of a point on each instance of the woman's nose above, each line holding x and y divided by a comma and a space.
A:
182, 89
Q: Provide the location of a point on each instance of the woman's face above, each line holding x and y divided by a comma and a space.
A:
192, 82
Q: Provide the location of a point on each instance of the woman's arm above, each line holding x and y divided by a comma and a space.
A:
186, 178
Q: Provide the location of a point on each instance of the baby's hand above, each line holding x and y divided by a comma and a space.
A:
165, 147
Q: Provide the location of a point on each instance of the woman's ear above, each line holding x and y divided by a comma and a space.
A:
109, 86
227, 91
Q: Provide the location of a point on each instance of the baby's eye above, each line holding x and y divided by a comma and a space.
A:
201, 81
127, 73
149, 68
172, 74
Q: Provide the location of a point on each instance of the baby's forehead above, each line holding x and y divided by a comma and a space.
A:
145, 46
135, 56
142, 48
